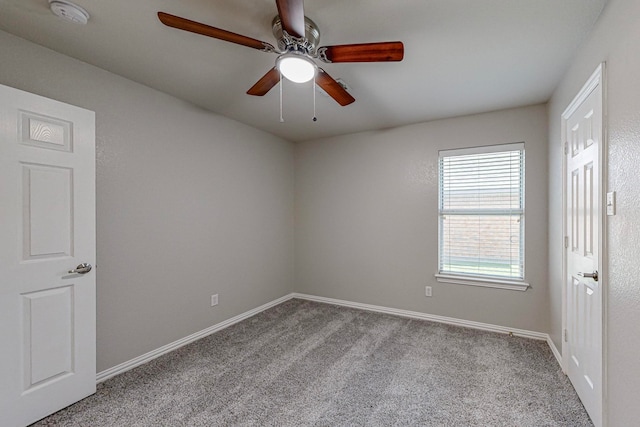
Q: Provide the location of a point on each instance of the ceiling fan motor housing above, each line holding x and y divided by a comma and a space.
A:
288, 43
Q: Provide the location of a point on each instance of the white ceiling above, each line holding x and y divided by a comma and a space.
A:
461, 56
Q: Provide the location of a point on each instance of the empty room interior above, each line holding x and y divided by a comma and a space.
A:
439, 225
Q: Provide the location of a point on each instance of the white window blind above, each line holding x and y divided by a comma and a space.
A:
481, 212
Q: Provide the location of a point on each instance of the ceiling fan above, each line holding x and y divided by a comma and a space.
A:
297, 39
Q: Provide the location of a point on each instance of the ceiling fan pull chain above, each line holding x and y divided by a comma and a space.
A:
313, 86
281, 84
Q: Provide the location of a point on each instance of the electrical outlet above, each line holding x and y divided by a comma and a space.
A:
427, 291
214, 300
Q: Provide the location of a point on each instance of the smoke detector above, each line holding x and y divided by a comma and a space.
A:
69, 11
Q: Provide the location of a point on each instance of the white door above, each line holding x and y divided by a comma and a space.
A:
47, 227
583, 287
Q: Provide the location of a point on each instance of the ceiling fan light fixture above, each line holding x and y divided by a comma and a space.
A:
297, 68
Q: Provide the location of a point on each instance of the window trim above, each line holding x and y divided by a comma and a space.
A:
488, 282
479, 280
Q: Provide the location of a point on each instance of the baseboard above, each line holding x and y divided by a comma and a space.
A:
425, 316
147, 357
555, 352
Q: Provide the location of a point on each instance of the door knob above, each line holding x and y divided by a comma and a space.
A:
593, 275
83, 268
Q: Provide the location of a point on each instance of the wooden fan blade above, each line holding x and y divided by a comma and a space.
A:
333, 88
216, 33
365, 52
265, 84
292, 16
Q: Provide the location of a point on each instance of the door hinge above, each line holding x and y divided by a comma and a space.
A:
565, 336
566, 148
566, 241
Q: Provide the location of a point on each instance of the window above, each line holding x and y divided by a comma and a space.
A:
481, 216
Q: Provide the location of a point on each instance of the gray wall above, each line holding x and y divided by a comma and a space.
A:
614, 40
188, 204
366, 218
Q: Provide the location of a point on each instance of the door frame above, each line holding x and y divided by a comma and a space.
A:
598, 78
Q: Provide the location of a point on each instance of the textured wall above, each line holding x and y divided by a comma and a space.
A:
614, 40
366, 218
188, 204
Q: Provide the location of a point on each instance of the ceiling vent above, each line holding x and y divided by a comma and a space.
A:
69, 11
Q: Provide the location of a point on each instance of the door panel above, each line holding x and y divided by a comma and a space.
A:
47, 206
45, 132
47, 211
48, 335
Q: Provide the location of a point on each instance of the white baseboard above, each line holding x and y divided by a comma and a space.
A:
142, 359
425, 316
147, 357
555, 352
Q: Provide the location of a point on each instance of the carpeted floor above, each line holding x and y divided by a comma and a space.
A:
309, 364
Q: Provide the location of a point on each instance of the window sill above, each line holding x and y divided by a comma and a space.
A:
513, 285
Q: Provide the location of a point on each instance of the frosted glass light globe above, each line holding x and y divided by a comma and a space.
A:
296, 68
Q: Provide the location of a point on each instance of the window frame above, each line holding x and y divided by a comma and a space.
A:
499, 282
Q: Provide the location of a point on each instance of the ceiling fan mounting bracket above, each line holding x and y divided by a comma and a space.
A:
269, 48
322, 54
288, 43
